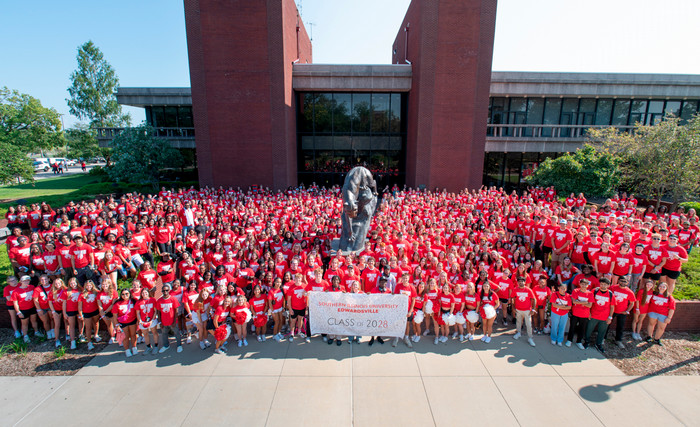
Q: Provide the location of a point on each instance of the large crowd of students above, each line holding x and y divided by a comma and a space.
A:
217, 265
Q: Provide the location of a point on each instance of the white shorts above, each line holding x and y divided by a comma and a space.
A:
137, 260
197, 318
278, 310
148, 325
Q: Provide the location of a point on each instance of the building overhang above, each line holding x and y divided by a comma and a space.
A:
147, 96
591, 85
351, 78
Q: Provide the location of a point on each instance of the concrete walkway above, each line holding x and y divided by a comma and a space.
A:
503, 383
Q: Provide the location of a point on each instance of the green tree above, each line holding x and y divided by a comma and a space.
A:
585, 171
14, 165
139, 156
92, 90
81, 142
658, 161
26, 124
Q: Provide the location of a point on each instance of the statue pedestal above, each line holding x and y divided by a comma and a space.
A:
335, 248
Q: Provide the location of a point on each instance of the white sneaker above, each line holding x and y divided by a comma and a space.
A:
18, 334
470, 337
90, 346
487, 340
263, 338
417, 338
531, 342
325, 339
435, 341
483, 338
559, 344
443, 338
306, 339
291, 338
188, 340
461, 337
163, 349
260, 339
454, 335
179, 349
72, 346
426, 332
26, 339
112, 340
128, 353
134, 350
217, 351
568, 343
245, 342
395, 342
302, 335
39, 334
97, 338
139, 340
579, 345
516, 336
202, 346
407, 342
554, 342
547, 330
240, 343
154, 350
58, 343
207, 343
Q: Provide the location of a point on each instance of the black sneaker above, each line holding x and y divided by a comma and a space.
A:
330, 341
338, 342
381, 340
371, 341
658, 342
600, 348
649, 339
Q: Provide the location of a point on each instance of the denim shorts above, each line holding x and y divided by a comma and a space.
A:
657, 316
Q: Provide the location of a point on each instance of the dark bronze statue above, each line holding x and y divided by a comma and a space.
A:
359, 205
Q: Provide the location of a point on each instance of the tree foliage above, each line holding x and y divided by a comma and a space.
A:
658, 161
14, 164
92, 90
585, 171
26, 124
138, 156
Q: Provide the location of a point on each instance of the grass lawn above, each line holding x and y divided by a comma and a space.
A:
39, 190
688, 284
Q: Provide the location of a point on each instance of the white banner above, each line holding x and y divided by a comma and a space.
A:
338, 313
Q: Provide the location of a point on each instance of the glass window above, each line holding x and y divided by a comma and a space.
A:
322, 113
306, 113
360, 112
673, 107
603, 112
530, 163
586, 110
638, 111
513, 164
493, 168
497, 107
689, 110
395, 119
552, 110
322, 142
307, 142
184, 117
342, 142
158, 117
341, 112
535, 110
655, 111
380, 112
170, 117
621, 112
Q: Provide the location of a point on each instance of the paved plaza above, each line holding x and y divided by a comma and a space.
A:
502, 383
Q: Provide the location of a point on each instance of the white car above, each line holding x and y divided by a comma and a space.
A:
41, 166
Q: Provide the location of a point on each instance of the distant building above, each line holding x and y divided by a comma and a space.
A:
260, 112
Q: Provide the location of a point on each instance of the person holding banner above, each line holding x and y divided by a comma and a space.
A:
355, 288
297, 304
380, 289
488, 304
335, 287
405, 288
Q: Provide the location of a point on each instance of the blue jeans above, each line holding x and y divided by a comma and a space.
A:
558, 326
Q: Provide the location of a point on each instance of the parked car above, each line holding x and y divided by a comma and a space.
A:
41, 166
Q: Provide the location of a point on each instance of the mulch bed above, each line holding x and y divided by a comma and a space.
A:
41, 357
679, 355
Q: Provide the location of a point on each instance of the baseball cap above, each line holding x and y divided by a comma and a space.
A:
25, 278
562, 221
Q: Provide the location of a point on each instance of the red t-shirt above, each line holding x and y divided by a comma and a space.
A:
602, 301
661, 304
522, 298
622, 263
146, 309
126, 313
72, 297
168, 310
675, 264
623, 296
298, 297
557, 298
257, 304
445, 301
24, 297
603, 261
148, 279
89, 302
542, 294
408, 290
580, 310
276, 297
42, 296
81, 255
